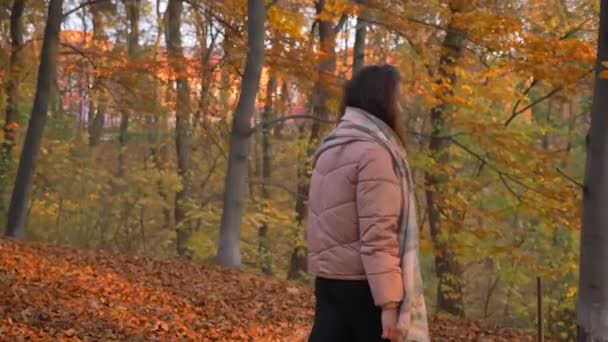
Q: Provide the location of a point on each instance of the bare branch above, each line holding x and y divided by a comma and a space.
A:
80, 53
525, 93
422, 22
539, 100
506, 184
215, 16
575, 29
574, 181
286, 118
500, 172
534, 103
81, 6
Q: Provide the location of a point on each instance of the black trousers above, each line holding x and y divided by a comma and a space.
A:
345, 311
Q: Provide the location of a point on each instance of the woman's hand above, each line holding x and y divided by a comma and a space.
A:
390, 315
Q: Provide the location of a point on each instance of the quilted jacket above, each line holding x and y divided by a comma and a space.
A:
353, 217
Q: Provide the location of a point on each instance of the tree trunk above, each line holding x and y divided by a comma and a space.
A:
183, 197
320, 94
448, 270
228, 253
17, 214
97, 122
359, 48
224, 91
206, 68
282, 107
267, 114
546, 138
158, 148
592, 308
97, 109
298, 262
132, 9
12, 84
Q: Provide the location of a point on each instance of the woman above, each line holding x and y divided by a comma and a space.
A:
362, 230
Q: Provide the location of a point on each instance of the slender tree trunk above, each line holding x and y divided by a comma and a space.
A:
225, 79
97, 109
546, 138
571, 119
183, 197
267, 114
132, 9
320, 94
158, 148
228, 245
282, 108
359, 48
206, 68
20, 200
98, 120
298, 262
12, 85
449, 271
255, 162
592, 308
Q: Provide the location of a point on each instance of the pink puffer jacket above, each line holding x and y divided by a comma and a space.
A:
353, 217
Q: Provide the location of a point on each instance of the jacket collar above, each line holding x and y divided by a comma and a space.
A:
354, 115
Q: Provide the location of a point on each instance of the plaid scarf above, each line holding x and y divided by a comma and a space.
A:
413, 314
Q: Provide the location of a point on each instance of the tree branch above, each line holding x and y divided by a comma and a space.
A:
511, 190
556, 90
575, 29
499, 172
215, 16
81, 6
534, 103
525, 93
574, 181
276, 121
80, 53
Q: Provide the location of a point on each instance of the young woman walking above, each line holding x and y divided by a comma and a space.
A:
362, 229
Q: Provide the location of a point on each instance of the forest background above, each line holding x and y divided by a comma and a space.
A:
178, 128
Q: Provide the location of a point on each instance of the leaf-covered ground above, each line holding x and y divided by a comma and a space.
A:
50, 293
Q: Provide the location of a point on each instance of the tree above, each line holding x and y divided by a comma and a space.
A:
12, 85
20, 200
360, 42
228, 253
132, 8
267, 114
326, 66
97, 108
592, 308
182, 125
450, 297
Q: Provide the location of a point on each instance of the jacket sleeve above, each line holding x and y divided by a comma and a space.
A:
378, 209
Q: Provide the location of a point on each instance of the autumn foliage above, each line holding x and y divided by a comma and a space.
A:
66, 294
496, 102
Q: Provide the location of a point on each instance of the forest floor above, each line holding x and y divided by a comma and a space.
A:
51, 293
